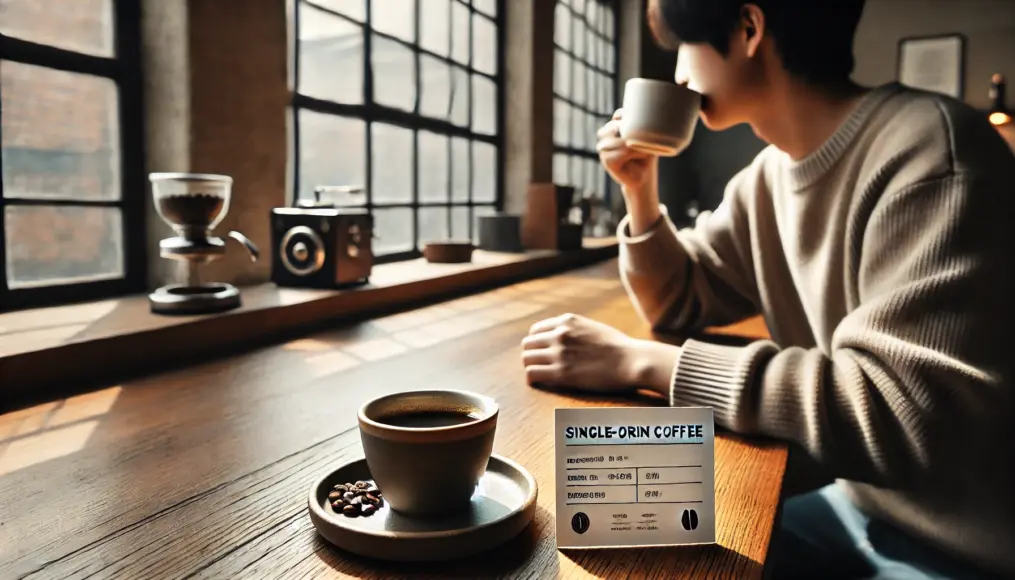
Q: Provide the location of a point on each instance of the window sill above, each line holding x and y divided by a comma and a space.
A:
52, 352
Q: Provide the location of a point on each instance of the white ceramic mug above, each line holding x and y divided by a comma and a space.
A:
659, 116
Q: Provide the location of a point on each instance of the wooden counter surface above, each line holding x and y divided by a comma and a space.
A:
204, 471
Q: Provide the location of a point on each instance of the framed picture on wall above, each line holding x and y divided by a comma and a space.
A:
933, 63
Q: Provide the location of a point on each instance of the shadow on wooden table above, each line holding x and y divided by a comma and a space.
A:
706, 561
520, 556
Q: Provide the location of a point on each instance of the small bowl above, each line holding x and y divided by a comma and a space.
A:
448, 252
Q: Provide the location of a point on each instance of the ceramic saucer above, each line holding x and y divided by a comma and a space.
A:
503, 504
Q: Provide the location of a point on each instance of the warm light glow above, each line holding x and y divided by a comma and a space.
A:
1000, 118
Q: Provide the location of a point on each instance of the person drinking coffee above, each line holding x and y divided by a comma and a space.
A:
875, 236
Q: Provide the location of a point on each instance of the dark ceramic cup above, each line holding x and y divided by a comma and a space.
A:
427, 450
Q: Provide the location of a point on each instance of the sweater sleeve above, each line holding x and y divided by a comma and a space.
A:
696, 277
920, 362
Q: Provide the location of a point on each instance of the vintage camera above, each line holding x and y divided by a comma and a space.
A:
320, 245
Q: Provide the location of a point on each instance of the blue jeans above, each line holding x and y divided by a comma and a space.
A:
823, 535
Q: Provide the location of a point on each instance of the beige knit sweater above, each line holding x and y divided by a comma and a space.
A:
883, 265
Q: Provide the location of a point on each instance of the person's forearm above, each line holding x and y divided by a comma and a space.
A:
643, 207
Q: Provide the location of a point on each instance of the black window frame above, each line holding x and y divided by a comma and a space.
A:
569, 151
370, 112
124, 69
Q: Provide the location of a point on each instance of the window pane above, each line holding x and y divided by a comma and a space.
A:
352, 8
459, 169
460, 223
394, 74
60, 245
561, 120
487, 6
562, 26
433, 224
484, 172
560, 176
75, 25
577, 172
331, 151
579, 5
593, 177
608, 24
391, 149
434, 21
436, 87
592, 12
459, 32
394, 230
329, 44
460, 97
484, 102
433, 167
611, 59
578, 35
611, 105
591, 128
484, 45
394, 17
577, 128
590, 88
579, 83
60, 134
562, 74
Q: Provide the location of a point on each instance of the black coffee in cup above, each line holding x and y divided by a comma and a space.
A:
429, 419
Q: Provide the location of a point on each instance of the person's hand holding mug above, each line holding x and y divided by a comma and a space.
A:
658, 119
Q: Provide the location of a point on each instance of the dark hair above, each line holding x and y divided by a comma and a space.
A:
813, 37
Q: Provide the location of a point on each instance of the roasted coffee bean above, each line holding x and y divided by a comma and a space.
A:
361, 484
371, 499
372, 490
341, 488
351, 511
334, 495
368, 510
337, 505
347, 496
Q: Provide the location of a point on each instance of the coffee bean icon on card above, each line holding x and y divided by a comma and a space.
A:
689, 519
580, 523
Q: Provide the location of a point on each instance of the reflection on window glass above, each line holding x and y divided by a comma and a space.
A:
578, 128
394, 17
484, 101
394, 74
484, 45
331, 151
459, 169
434, 18
60, 134
355, 9
459, 32
436, 87
391, 148
49, 245
77, 25
328, 43
484, 177
433, 167
394, 230
433, 225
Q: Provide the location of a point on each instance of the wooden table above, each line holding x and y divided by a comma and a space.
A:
204, 471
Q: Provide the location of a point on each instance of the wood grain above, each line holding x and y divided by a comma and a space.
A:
203, 471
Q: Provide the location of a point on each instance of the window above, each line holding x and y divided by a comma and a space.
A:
584, 89
402, 97
72, 198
